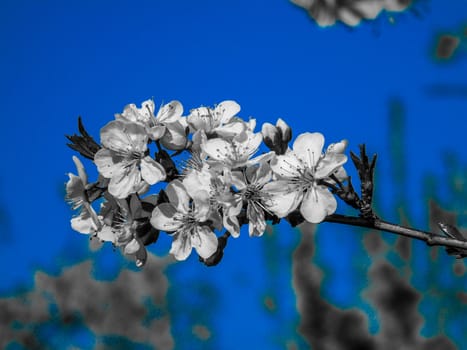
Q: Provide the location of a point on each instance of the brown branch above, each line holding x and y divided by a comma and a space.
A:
429, 238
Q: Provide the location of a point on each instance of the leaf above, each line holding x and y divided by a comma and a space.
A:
84, 144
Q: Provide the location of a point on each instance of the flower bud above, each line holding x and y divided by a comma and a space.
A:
285, 131
271, 135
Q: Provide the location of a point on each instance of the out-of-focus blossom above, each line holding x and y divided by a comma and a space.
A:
350, 12
185, 218
300, 172
124, 158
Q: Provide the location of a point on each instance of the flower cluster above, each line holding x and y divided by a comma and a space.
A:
225, 178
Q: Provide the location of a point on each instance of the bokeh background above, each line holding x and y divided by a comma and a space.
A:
397, 83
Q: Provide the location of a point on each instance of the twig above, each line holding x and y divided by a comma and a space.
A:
430, 238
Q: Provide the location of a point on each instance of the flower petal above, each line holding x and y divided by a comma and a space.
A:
124, 183
125, 137
257, 223
230, 129
108, 163
174, 137
205, 242
308, 147
200, 119
287, 166
338, 147
170, 112
141, 115
132, 247
80, 168
151, 171
261, 175
226, 110
282, 197
218, 149
106, 234
163, 218
232, 225
201, 204
317, 204
75, 191
247, 143
178, 196
238, 180
329, 164
156, 132
181, 246
82, 224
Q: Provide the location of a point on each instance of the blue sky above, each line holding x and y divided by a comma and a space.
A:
91, 58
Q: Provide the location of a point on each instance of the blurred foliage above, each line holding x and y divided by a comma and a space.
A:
75, 308
449, 47
450, 44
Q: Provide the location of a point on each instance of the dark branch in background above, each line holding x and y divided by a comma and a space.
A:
84, 144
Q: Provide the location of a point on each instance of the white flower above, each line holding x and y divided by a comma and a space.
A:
300, 172
250, 183
87, 220
223, 200
219, 121
124, 160
165, 126
120, 225
186, 217
235, 153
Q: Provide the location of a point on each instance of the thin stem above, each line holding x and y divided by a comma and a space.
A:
430, 238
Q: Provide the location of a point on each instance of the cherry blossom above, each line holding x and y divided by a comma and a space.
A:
185, 218
87, 220
124, 158
299, 173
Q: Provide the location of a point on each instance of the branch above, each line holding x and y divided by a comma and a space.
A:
430, 238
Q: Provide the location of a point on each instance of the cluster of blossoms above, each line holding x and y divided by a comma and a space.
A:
222, 184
